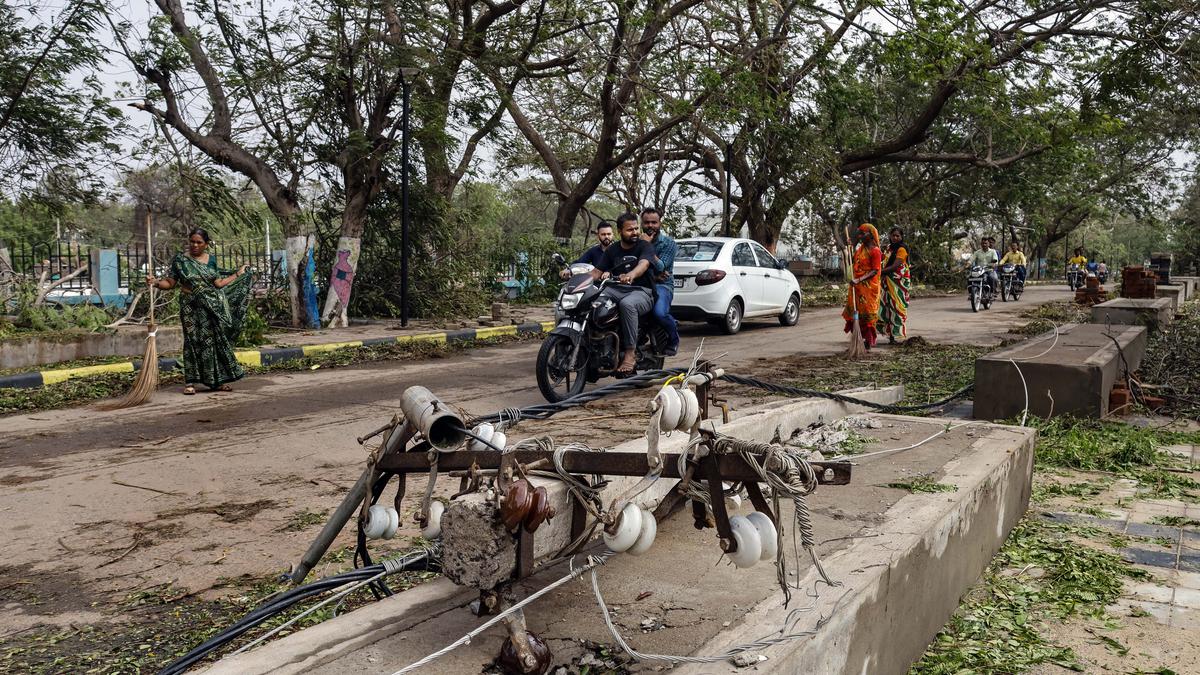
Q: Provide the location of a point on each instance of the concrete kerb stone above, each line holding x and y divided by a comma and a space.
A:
1072, 374
1176, 292
266, 357
337, 637
904, 585
1154, 314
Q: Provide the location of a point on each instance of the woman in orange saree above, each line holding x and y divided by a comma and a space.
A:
863, 297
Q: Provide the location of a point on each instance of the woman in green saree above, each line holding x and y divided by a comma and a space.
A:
212, 306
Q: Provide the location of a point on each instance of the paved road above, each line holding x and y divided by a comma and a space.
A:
190, 490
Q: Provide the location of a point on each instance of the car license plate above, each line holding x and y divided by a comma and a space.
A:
678, 283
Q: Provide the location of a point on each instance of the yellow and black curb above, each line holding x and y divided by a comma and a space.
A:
267, 357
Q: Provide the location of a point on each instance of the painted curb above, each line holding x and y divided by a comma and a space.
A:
266, 357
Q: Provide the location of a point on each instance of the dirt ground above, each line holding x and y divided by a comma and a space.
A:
111, 519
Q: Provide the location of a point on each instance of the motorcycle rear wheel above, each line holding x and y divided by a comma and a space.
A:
557, 380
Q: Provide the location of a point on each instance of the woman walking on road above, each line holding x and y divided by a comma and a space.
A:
897, 282
212, 306
865, 288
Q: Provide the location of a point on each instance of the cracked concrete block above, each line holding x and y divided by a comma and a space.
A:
1070, 374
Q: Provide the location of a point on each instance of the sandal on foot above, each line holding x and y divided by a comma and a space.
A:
189, 390
224, 387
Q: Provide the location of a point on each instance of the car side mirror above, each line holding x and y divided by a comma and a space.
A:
781, 264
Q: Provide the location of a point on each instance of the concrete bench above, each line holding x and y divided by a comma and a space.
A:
1176, 292
1153, 314
1192, 285
1071, 374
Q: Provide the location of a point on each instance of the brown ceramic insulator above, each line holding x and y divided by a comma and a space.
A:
517, 501
539, 510
511, 663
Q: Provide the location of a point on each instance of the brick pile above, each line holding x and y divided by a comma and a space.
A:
1092, 292
1138, 282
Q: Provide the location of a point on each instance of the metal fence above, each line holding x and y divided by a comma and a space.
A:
58, 259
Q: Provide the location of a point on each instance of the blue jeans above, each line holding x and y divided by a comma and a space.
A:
662, 311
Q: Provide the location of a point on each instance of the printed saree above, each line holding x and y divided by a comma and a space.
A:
893, 309
211, 318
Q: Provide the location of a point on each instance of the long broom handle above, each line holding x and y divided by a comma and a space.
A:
150, 266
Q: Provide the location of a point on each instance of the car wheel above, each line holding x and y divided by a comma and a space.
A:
791, 311
732, 321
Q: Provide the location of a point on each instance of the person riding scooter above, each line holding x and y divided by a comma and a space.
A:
630, 261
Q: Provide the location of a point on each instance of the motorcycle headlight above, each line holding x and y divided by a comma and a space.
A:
570, 300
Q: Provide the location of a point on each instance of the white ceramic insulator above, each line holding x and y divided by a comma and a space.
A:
484, 431
691, 409
433, 528
671, 405
628, 530
646, 536
377, 522
767, 534
393, 523
499, 440
749, 545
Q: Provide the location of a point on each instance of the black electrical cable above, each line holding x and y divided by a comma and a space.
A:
273, 606
813, 393
543, 411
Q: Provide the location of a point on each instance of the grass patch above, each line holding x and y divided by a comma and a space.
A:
107, 385
1043, 318
1174, 521
924, 483
1082, 490
1121, 449
303, 519
928, 371
995, 630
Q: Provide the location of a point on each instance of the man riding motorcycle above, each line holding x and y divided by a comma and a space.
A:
987, 258
1017, 258
630, 260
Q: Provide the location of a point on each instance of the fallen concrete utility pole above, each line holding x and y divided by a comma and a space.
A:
495, 532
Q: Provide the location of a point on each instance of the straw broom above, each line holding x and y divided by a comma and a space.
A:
147, 377
856, 350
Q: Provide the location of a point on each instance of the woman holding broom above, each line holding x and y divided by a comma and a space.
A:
212, 305
897, 281
863, 299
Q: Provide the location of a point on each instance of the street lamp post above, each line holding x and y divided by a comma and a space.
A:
406, 78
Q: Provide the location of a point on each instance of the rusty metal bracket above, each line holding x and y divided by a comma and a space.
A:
716, 495
732, 467
760, 501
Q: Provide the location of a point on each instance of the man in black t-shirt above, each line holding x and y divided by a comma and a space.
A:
630, 262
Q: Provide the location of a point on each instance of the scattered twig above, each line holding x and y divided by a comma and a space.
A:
137, 541
143, 487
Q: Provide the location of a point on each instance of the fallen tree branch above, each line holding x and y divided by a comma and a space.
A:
44, 289
129, 312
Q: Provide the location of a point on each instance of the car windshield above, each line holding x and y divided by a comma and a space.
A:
698, 251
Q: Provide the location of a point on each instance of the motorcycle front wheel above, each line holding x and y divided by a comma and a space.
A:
1004, 293
557, 378
974, 300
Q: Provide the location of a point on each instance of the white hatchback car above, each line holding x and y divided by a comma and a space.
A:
723, 280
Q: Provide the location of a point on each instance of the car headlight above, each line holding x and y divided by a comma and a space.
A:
570, 300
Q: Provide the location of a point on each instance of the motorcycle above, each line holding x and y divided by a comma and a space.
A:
1011, 285
1074, 277
979, 292
585, 345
